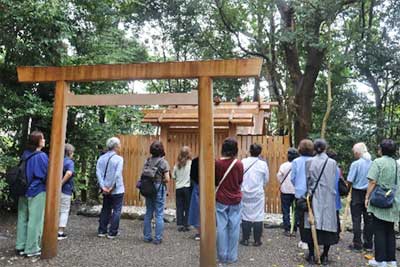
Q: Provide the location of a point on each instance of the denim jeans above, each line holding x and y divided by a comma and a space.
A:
110, 214
228, 231
155, 206
287, 201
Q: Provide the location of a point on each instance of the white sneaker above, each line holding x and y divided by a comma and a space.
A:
302, 245
34, 254
374, 263
392, 264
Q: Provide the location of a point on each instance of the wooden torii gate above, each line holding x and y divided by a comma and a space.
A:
204, 71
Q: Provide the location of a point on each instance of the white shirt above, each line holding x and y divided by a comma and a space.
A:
182, 175
287, 186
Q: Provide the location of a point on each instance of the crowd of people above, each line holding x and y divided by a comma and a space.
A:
310, 183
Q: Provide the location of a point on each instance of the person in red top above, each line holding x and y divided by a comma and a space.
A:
228, 181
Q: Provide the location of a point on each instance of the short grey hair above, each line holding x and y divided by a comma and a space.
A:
68, 150
112, 143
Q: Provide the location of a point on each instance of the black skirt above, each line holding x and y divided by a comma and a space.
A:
325, 238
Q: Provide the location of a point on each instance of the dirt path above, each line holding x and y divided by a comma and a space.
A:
84, 248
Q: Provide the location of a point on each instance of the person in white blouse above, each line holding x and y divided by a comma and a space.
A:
287, 189
255, 178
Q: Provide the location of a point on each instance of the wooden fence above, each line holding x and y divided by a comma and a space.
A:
135, 150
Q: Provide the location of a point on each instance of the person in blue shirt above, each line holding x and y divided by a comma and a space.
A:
31, 206
67, 188
109, 176
358, 180
299, 181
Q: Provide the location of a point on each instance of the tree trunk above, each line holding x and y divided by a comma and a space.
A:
83, 192
380, 118
256, 92
303, 119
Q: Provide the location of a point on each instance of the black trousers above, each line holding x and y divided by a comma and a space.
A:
182, 197
257, 230
385, 241
357, 210
287, 201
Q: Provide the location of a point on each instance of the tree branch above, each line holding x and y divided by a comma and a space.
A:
236, 34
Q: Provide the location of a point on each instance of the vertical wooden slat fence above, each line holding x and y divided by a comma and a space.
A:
135, 150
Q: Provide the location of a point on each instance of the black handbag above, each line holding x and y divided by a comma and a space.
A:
343, 188
383, 197
301, 203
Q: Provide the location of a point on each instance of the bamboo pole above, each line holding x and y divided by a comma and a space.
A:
311, 220
329, 92
53, 183
207, 174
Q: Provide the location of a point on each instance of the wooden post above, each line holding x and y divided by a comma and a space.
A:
232, 130
53, 184
164, 137
207, 174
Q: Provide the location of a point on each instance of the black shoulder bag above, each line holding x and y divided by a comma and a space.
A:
301, 203
105, 171
284, 179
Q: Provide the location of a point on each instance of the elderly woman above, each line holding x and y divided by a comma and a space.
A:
109, 176
228, 179
384, 172
155, 205
67, 188
357, 179
255, 178
299, 181
322, 186
31, 205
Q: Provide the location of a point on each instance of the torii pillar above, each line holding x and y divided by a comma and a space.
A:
204, 71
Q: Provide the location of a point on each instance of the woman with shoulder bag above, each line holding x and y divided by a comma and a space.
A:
322, 186
384, 176
287, 190
228, 180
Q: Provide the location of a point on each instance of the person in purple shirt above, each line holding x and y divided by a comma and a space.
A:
31, 206
67, 183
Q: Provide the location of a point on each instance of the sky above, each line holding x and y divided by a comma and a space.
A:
153, 48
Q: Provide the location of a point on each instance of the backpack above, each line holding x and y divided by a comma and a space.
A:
148, 178
17, 179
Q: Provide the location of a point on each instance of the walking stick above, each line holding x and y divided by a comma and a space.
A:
311, 220
346, 212
292, 217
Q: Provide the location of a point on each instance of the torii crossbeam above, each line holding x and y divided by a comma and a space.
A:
204, 71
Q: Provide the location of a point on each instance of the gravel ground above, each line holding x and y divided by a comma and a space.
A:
84, 248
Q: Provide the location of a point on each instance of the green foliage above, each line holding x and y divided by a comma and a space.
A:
36, 32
